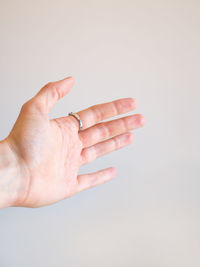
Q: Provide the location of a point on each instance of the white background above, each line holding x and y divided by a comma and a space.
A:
149, 215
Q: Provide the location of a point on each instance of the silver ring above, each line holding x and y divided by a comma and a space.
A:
77, 117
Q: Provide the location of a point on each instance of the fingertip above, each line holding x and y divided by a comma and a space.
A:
52, 92
113, 171
65, 85
69, 79
130, 137
110, 172
133, 102
142, 120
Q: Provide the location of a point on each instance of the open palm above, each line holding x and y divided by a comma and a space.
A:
50, 152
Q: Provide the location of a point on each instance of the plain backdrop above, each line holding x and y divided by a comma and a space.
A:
149, 215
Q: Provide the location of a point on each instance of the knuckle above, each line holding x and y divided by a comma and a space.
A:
24, 106
46, 86
130, 137
56, 93
88, 155
116, 107
96, 112
31, 106
27, 106
82, 140
84, 157
116, 142
104, 130
49, 84
124, 124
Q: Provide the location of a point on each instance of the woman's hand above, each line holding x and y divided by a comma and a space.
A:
49, 153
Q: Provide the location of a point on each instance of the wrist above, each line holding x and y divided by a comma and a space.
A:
11, 186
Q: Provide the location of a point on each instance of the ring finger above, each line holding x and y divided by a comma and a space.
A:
100, 112
91, 153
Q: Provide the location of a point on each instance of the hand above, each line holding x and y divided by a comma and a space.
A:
50, 152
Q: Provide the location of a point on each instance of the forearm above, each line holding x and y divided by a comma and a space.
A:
10, 178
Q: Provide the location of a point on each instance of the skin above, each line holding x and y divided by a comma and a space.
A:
40, 159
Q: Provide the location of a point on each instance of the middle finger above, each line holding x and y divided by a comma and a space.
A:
103, 130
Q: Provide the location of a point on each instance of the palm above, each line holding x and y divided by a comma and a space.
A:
52, 151
51, 154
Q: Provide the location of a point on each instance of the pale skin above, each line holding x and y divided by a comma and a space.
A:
40, 159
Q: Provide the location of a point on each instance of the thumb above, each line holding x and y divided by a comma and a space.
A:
49, 94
